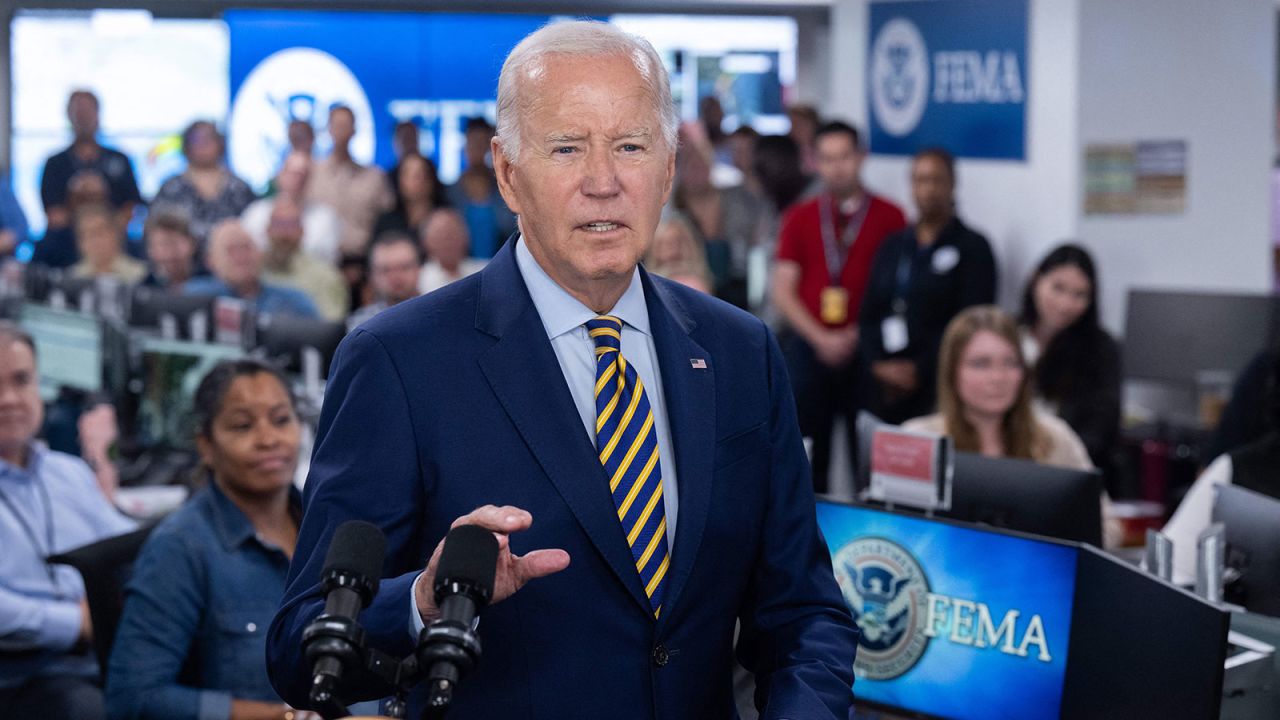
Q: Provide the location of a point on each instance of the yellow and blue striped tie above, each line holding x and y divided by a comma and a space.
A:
628, 445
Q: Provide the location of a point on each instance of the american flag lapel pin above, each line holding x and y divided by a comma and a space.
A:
698, 363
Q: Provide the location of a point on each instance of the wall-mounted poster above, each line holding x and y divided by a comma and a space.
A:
1142, 178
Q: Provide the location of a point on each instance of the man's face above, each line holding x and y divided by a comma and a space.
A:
395, 269
21, 411
234, 257
302, 137
292, 179
838, 162
284, 230
342, 127
170, 252
446, 238
932, 187
593, 173
98, 239
82, 111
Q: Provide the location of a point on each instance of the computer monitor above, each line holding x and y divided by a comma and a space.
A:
69, 349
150, 307
45, 285
60, 289
171, 372
1171, 336
946, 611
283, 339
1027, 496
1252, 522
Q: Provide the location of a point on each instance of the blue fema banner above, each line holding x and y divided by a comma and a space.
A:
950, 74
432, 69
955, 622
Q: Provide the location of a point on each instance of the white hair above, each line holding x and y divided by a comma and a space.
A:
578, 38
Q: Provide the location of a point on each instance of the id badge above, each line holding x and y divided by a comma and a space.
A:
835, 305
893, 334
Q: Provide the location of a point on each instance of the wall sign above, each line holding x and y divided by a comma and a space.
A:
950, 74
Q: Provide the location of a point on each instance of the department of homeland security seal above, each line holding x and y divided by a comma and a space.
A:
899, 80
886, 589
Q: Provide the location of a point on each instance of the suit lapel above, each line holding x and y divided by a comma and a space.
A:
691, 412
525, 375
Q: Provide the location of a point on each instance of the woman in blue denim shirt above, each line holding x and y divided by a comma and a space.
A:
191, 642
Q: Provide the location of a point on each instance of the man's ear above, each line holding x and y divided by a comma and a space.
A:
504, 169
671, 176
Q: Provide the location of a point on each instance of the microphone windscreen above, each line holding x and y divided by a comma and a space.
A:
357, 548
470, 553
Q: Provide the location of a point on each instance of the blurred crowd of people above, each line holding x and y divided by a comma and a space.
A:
303, 247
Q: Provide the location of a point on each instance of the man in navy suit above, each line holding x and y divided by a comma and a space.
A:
632, 443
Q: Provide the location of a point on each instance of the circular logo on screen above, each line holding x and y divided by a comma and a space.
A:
886, 589
899, 77
293, 84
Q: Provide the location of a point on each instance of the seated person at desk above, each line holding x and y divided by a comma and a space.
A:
984, 396
984, 401
236, 262
1076, 364
1255, 466
100, 239
191, 641
171, 250
288, 265
395, 263
49, 503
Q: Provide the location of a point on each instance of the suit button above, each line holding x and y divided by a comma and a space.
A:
660, 655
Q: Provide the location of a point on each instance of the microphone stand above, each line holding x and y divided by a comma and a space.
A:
447, 650
450, 650
400, 674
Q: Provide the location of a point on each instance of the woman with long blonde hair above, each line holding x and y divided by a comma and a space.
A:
677, 253
985, 395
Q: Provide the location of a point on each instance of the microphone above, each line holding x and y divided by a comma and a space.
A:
333, 643
449, 647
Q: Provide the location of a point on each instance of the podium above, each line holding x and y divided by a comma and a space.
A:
965, 621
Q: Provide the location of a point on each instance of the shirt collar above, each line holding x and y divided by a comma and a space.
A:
562, 312
36, 452
230, 522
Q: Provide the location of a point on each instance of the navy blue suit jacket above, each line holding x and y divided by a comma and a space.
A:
456, 400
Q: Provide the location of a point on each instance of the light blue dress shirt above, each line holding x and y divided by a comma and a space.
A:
40, 603
564, 318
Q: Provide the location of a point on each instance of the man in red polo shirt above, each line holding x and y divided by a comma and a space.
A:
825, 249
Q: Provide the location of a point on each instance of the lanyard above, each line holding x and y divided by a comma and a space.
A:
903, 284
30, 532
836, 253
